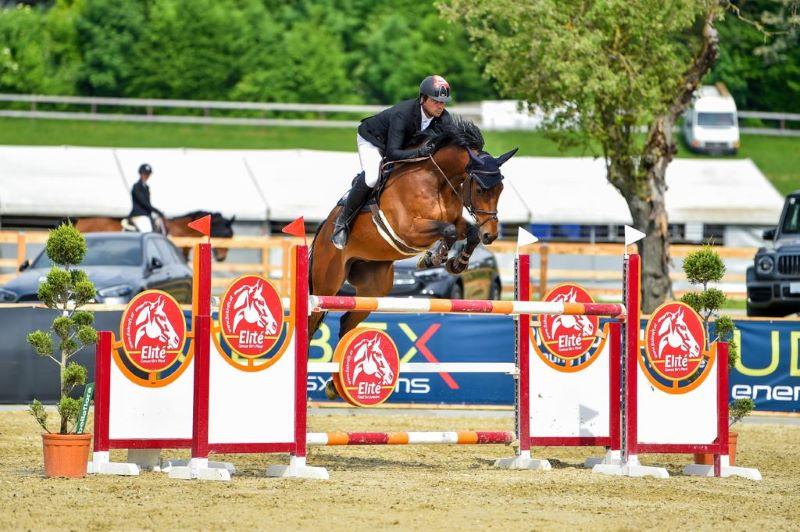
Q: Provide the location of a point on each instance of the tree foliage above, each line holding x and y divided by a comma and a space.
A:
348, 50
759, 59
373, 51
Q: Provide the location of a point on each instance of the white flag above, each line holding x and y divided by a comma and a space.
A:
632, 235
525, 238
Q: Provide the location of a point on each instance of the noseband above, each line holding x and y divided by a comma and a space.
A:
469, 203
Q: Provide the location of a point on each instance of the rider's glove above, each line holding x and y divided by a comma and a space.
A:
425, 150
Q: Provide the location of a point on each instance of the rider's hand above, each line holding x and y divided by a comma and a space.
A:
425, 150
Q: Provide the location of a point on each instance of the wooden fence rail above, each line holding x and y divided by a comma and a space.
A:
274, 252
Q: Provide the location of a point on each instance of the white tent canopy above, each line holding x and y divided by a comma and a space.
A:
263, 185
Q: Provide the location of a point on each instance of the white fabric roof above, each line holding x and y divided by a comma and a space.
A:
61, 181
575, 190
260, 185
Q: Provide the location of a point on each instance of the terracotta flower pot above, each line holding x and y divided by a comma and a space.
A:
708, 459
66, 455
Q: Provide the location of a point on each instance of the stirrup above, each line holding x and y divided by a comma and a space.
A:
339, 236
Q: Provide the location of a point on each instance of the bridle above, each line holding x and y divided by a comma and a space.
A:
469, 204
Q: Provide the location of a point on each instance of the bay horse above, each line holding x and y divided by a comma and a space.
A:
420, 210
221, 227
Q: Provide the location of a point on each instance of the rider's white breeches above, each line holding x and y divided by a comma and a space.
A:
371, 158
143, 223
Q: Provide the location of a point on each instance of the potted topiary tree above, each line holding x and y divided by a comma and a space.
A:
702, 267
65, 289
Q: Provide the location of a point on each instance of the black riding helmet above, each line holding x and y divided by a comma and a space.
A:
145, 169
435, 87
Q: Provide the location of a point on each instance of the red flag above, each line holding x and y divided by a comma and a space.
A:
296, 228
202, 225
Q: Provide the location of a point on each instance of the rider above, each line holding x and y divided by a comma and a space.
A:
142, 211
384, 136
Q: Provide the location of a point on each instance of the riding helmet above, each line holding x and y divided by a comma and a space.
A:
435, 87
145, 169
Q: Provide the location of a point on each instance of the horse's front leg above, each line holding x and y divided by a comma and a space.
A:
438, 252
459, 263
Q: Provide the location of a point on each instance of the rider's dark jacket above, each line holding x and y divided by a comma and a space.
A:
140, 194
392, 129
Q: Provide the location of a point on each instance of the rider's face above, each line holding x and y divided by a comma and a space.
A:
432, 107
145, 176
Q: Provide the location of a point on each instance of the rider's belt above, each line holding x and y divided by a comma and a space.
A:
388, 234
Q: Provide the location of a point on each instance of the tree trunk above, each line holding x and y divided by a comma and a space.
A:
643, 186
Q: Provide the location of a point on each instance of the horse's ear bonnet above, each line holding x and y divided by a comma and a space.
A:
485, 169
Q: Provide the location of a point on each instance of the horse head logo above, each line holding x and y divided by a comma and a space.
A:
152, 322
672, 331
370, 360
581, 324
251, 307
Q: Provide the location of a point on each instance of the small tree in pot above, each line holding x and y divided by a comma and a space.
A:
702, 267
65, 289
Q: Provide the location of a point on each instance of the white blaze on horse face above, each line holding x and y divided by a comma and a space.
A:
152, 322
576, 323
251, 307
673, 332
370, 360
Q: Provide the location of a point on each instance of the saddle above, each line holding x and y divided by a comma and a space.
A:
379, 219
376, 191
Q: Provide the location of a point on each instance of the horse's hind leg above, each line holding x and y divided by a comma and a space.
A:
327, 275
370, 279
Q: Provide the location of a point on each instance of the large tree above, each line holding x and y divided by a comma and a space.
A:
612, 74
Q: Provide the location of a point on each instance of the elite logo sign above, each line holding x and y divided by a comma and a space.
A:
153, 331
674, 343
564, 342
251, 316
369, 365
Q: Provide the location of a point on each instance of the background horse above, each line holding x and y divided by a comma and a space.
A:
422, 204
221, 227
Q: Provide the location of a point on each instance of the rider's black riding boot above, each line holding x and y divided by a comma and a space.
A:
355, 200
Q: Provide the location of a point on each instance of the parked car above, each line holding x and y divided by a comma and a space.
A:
481, 279
119, 264
711, 125
773, 282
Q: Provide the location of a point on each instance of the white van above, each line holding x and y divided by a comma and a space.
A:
710, 125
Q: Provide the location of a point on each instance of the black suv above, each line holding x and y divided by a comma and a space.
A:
773, 282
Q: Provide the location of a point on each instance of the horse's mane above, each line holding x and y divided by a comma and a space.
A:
458, 132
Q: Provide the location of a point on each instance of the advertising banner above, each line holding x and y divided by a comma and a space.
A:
768, 370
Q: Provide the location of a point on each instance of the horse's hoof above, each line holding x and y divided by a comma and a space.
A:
330, 391
454, 266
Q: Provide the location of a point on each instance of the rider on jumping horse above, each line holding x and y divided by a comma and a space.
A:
386, 136
142, 211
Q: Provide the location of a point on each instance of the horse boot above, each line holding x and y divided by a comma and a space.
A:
356, 198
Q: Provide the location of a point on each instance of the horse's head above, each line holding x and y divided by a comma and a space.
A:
221, 227
482, 189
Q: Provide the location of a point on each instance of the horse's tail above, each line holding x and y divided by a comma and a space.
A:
311, 272
311, 256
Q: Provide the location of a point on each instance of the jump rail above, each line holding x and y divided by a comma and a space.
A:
462, 306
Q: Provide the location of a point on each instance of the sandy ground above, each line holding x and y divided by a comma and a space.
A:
422, 487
